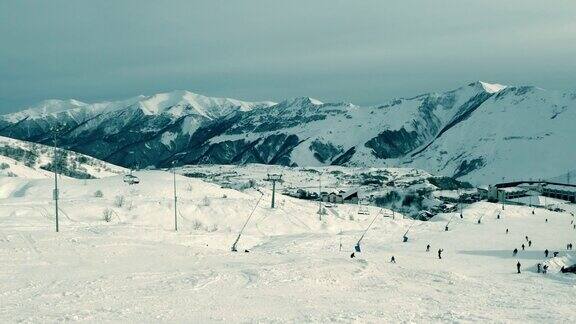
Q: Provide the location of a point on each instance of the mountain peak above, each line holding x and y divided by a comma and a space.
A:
47, 107
302, 101
489, 87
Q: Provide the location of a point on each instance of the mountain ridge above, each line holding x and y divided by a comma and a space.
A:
181, 127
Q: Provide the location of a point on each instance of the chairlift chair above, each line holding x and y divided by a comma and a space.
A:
357, 247
131, 179
363, 211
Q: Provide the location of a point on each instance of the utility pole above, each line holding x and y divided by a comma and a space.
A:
460, 203
55, 162
55, 169
320, 195
274, 177
175, 197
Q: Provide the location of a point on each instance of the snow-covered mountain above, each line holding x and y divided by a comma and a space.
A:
479, 132
519, 133
137, 132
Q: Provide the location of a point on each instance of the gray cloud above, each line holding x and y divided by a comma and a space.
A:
363, 51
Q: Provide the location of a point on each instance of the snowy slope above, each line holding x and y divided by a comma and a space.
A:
521, 133
135, 268
31, 160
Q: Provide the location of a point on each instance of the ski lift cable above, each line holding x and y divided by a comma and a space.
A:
450, 220
247, 220
409, 228
368, 228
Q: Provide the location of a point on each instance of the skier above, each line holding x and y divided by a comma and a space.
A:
545, 269
440, 253
546, 220
518, 265
479, 221
529, 243
556, 254
498, 217
539, 267
428, 248
446, 228
514, 252
546, 252
523, 247
527, 238
352, 255
392, 260
506, 231
532, 211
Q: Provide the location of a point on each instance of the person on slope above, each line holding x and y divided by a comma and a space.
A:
529, 243
518, 265
545, 269
514, 252
539, 267
428, 248
555, 254
506, 231
392, 260
546, 252
440, 253
352, 255
527, 238
523, 247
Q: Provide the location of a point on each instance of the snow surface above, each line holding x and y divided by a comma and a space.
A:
137, 269
492, 87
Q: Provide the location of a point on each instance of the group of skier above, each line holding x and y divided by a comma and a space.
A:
539, 267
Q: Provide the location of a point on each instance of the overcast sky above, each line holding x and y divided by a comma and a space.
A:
360, 51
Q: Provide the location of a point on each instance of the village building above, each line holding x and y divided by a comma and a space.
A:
342, 197
559, 191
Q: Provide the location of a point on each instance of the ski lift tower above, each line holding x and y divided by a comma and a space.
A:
274, 178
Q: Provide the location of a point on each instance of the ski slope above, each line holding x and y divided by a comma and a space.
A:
135, 268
